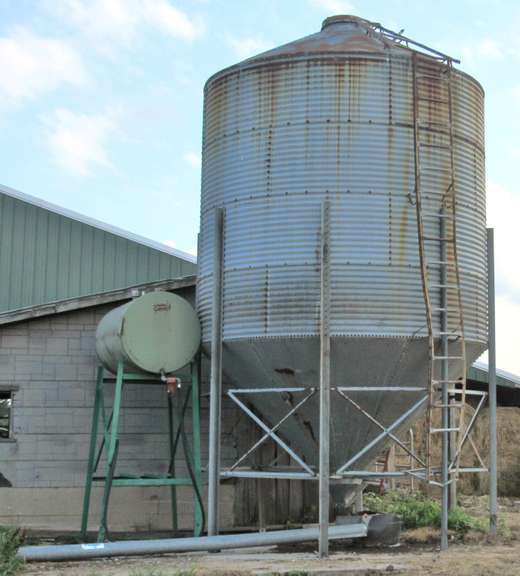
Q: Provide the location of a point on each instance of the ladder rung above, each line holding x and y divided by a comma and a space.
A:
458, 405
446, 381
447, 357
437, 430
436, 100
439, 238
445, 216
459, 334
438, 146
441, 262
432, 76
429, 123
445, 286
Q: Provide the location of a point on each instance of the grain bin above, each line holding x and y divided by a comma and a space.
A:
333, 116
156, 333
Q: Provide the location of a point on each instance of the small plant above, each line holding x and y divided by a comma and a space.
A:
10, 540
418, 511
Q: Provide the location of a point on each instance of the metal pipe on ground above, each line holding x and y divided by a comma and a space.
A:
70, 552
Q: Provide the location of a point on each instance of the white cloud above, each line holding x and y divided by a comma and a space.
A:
507, 318
32, 65
109, 22
79, 142
248, 46
503, 208
193, 159
333, 6
489, 49
482, 50
171, 20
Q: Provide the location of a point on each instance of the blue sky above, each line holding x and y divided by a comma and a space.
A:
101, 103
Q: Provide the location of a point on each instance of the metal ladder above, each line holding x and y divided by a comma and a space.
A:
436, 222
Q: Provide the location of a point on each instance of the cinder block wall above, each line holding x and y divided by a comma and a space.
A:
51, 364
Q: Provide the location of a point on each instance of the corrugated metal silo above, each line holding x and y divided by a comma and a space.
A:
330, 116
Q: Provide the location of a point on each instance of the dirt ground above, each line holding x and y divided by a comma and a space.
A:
417, 555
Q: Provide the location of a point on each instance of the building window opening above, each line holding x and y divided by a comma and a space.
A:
6, 410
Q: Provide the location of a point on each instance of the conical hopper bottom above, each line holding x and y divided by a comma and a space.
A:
369, 363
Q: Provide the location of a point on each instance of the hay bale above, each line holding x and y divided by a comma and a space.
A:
508, 442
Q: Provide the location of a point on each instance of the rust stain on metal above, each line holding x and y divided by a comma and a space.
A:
285, 371
403, 229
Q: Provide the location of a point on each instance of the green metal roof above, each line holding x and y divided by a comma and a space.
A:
49, 254
479, 373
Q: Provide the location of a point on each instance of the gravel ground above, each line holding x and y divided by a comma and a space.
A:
417, 555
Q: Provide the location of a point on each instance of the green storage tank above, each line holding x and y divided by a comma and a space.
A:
158, 332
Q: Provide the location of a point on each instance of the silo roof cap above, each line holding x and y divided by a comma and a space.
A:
342, 19
342, 35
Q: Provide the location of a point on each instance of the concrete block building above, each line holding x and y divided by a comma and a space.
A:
48, 368
60, 272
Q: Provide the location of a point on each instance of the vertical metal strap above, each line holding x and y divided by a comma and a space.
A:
460, 309
215, 376
324, 458
422, 252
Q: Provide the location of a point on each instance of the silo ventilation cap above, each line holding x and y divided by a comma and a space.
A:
341, 19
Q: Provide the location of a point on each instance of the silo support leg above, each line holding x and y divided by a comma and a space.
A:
215, 396
324, 457
492, 382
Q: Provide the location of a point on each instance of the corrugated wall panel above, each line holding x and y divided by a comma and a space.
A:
45, 256
280, 136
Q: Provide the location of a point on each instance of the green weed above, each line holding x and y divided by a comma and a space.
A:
10, 540
417, 511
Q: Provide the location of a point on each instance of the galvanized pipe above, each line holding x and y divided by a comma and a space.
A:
215, 399
492, 378
445, 371
324, 456
172, 545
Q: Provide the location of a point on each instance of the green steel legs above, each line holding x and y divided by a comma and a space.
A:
110, 444
195, 424
92, 452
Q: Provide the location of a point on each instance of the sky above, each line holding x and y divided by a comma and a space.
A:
101, 104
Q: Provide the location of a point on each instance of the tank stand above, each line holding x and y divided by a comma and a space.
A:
109, 445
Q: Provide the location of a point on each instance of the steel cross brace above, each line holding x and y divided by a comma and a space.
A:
418, 473
386, 431
466, 437
270, 432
